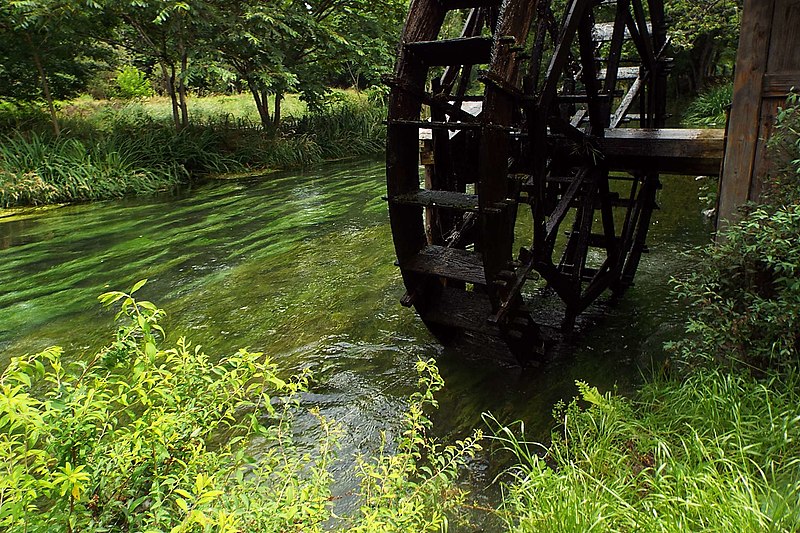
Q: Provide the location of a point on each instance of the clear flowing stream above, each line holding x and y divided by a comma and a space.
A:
300, 266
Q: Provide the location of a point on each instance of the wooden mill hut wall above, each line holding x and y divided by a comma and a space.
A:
767, 68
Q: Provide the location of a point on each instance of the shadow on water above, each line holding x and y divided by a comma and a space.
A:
301, 266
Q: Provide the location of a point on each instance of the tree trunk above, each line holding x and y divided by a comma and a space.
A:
277, 115
182, 86
48, 96
262, 104
169, 83
702, 59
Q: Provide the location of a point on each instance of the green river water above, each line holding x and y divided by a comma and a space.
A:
300, 266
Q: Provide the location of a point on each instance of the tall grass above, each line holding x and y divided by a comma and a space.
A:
353, 128
107, 151
35, 170
715, 452
710, 108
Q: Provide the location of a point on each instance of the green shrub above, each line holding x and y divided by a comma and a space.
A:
133, 83
745, 297
145, 437
782, 184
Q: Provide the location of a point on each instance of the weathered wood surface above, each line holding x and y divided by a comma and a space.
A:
441, 199
673, 151
465, 310
767, 67
449, 263
453, 51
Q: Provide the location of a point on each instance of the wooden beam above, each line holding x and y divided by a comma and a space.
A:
672, 151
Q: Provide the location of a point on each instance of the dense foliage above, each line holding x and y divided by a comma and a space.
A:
705, 35
145, 437
111, 152
50, 48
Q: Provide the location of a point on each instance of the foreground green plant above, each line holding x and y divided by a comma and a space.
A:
716, 452
414, 488
142, 437
146, 438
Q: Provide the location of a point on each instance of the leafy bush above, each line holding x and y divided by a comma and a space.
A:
710, 108
714, 452
133, 83
745, 297
142, 437
782, 184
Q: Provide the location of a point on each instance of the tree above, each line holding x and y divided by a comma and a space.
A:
250, 37
705, 32
166, 31
46, 51
306, 46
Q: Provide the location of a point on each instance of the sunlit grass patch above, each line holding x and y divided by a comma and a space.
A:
713, 452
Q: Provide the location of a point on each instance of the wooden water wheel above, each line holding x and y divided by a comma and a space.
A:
520, 111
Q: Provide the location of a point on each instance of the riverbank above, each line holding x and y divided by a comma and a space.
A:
110, 149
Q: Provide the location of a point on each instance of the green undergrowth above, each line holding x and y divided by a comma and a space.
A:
148, 437
710, 108
117, 150
716, 451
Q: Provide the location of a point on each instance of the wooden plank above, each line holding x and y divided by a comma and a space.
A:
675, 151
450, 263
436, 125
762, 165
623, 73
784, 42
441, 199
460, 309
461, 51
748, 81
563, 206
779, 85
626, 103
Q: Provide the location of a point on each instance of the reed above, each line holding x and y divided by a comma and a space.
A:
35, 170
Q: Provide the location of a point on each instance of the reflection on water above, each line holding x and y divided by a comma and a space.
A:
301, 266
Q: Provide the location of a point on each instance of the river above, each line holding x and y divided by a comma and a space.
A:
300, 265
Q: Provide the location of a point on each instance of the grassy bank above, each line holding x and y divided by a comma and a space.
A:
111, 149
